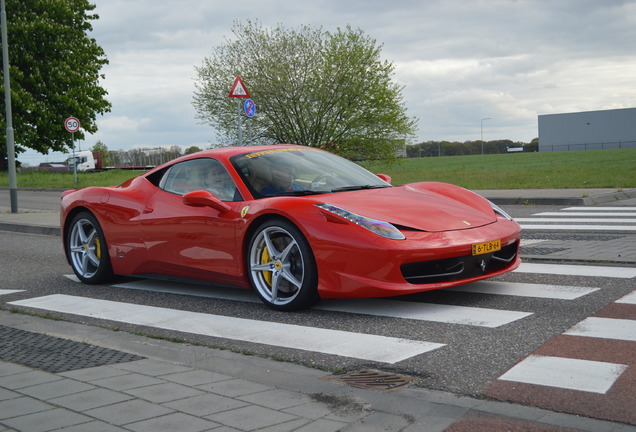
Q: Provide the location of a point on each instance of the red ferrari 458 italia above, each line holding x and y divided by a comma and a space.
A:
295, 223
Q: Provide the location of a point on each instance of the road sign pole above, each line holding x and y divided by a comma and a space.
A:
72, 125
240, 133
239, 91
74, 158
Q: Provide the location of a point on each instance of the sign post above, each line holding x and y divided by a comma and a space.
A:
250, 111
239, 91
72, 125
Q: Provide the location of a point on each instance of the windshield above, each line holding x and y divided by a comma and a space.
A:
293, 171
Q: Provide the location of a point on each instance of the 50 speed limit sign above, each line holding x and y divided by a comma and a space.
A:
72, 124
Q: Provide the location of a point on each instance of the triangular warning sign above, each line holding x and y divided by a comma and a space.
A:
238, 89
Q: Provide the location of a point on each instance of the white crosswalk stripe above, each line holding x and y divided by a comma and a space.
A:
6, 292
607, 328
618, 209
628, 299
582, 219
566, 373
578, 270
526, 290
348, 344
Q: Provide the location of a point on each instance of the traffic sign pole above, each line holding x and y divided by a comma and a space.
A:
250, 110
74, 158
240, 132
72, 125
239, 90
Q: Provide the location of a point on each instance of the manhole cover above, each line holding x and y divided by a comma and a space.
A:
53, 354
372, 379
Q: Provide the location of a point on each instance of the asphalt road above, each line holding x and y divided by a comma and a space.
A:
473, 355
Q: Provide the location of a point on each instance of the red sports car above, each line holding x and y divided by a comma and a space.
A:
294, 223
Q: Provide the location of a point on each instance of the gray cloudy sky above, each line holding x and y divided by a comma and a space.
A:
459, 60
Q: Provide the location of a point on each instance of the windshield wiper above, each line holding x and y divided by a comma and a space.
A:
358, 187
302, 192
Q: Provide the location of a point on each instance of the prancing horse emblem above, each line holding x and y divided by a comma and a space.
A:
482, 265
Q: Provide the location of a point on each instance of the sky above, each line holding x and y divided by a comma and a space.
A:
468, 67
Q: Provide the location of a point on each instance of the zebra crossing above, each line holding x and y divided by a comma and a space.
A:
557, 366
588, 370
620, 219
326, 341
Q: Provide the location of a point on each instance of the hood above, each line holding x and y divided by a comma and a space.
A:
424, 206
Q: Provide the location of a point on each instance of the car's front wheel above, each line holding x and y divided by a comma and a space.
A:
87, 251
281, 266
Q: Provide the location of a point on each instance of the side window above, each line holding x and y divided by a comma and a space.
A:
197, 174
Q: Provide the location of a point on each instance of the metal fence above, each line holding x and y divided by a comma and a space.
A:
587, 146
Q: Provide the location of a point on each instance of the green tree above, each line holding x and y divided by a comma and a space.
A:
192, 149
101, 148
55, 72
311, 87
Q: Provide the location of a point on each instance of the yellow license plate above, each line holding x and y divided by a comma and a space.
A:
488, 247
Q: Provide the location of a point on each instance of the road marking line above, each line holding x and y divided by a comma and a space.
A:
580, 227
577, 270
6, 292
347, 344
528, 242
607, 328
569, 214
557, 292
449, 314
575, 220
481, 317
600, 208
565, 373
628, 299
192, 289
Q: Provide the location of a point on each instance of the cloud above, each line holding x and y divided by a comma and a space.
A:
459, 61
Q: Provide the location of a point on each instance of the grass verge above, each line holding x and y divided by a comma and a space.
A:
548, 170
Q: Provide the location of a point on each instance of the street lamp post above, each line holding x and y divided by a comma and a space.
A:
13, 189
482, 133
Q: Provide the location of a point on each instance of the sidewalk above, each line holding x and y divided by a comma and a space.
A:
57, 375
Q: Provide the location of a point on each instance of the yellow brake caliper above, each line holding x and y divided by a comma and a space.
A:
265, 258
98, 249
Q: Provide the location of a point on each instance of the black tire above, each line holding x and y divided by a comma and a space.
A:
281, 266
87, 250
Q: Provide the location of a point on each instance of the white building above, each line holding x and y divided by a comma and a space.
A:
590, 130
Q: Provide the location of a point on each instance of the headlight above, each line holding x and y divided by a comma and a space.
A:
499, 211
379, 227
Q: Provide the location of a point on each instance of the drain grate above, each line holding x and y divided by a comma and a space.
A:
372, 379
53, 354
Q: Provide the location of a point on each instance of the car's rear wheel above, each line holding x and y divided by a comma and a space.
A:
281, 266
87, 251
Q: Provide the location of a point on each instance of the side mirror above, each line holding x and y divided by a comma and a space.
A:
203, 198
385, 177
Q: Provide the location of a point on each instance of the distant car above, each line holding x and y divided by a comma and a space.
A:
295, 223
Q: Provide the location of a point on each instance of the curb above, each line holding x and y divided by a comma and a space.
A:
30, 229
